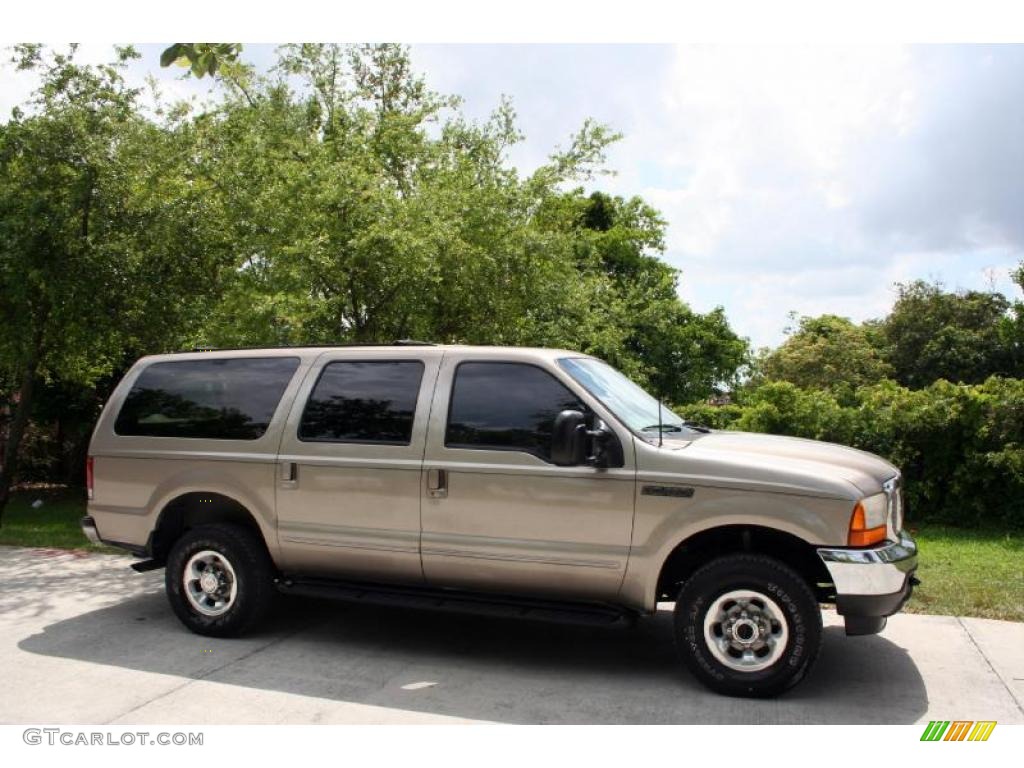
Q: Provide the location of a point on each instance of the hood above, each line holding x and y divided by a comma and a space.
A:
807, 465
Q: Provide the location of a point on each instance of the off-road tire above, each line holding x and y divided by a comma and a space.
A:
764, 575
254, 572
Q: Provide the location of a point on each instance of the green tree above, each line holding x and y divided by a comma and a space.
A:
1012, 330
934, 334
334, 198
105, 239
365, 207
637, 320
826, 352
361, 212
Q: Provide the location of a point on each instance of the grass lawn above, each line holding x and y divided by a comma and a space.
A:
963, 572
54, 524
969, 573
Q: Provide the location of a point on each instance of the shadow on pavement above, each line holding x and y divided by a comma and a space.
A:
484, 668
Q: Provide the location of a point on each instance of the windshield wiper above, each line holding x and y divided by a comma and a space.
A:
677, 427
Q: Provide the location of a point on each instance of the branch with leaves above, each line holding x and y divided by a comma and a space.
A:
201, 58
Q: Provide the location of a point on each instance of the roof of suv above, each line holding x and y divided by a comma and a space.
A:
426, 348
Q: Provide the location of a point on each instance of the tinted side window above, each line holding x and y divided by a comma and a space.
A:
506, 407
224, 399
363, 402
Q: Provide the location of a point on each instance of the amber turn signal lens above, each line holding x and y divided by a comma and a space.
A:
860, 535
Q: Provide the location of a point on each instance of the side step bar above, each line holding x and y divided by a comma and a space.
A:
147, 565
592, 614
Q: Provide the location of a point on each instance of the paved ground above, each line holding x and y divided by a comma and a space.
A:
83, 639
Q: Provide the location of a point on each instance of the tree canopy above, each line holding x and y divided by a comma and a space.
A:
365, 207
104, 236
963, 336
930, 334
335, 198
827, 352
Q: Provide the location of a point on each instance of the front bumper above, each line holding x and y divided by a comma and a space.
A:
871, 584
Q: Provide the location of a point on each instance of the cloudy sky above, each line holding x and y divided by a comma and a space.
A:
792, 179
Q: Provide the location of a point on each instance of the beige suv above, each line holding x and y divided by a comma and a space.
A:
534, 482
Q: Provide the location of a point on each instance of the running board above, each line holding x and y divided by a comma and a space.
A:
147, 565
592, 614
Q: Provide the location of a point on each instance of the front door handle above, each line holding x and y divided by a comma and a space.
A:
437, 483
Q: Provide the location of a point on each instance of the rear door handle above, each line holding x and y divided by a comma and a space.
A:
289, 474
437, 483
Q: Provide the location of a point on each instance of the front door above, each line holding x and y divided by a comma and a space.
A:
497, 513
348, 485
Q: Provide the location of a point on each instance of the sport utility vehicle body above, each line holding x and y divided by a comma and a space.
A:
533, 478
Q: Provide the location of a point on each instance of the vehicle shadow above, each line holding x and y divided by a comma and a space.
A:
483, 668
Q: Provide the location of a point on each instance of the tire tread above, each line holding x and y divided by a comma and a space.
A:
760, 566
252, 563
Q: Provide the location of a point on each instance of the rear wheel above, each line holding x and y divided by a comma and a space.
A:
219, 580
748, 625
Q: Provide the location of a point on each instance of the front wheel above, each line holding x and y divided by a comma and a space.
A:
747, 625
219, 580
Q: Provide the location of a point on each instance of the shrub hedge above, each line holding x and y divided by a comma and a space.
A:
961, 447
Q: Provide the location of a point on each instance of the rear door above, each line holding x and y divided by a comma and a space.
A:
348, 483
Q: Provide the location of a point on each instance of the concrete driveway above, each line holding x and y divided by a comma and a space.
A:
83, 639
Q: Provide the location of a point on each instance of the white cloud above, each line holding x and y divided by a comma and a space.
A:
812, 179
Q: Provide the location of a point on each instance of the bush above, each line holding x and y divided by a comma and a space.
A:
960, 447
714, 416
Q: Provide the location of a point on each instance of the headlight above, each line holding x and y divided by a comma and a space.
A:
867, 524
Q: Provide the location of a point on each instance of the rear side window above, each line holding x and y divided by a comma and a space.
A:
363, 402
506, 407
219, 399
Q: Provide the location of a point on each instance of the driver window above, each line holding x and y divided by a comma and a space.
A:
506, 407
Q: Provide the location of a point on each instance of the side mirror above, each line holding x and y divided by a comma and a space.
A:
569, 439
607, 448
572, 444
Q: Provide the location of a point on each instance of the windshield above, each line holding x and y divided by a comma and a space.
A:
637, 409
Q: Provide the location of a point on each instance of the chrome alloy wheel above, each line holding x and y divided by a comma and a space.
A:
746, 630
210, 582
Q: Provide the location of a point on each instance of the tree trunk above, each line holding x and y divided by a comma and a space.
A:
19, 420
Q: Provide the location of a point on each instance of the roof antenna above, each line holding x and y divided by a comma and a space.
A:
661, 437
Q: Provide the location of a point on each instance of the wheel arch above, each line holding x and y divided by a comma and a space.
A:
702, 547
197, 507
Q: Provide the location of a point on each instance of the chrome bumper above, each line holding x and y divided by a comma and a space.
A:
89, 529
882, 570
